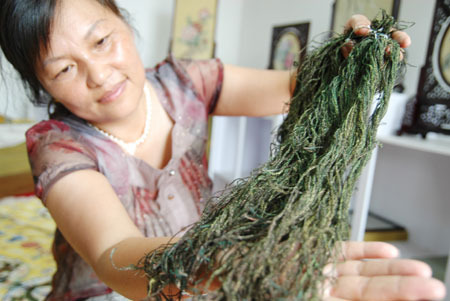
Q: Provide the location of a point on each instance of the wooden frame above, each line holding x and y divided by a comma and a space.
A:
344, 9
429, 110
193, 29
288, 45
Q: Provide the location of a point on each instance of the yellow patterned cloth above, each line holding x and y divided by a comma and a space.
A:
26, 262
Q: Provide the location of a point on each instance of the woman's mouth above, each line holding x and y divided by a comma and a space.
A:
114, 93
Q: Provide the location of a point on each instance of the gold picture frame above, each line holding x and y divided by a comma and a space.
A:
288, 45
193, 29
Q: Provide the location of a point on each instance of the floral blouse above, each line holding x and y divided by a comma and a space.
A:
161, 202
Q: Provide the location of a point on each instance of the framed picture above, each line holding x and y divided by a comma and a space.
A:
193, 29
429, 110
344, 9
288, 41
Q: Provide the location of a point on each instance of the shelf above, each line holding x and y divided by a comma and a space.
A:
433, 143
381, 229
392, 121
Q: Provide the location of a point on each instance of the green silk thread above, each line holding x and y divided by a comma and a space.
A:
269, 236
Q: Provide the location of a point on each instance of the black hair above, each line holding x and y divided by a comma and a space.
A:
25, 27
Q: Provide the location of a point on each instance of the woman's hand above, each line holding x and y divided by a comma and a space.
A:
361, 26
383, 278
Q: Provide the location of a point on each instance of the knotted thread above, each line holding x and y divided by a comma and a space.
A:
270, 235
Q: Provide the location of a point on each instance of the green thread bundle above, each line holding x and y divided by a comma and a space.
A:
269, 236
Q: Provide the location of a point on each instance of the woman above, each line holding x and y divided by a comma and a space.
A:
121, 164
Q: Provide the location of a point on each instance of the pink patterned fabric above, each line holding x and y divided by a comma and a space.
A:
161, 202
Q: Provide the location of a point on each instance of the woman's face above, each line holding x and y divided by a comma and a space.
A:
92, 66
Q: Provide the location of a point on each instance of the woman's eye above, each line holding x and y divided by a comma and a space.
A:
102, 41
65, 70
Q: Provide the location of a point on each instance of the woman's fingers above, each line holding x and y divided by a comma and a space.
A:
402, 38
384, 288
383, 278
387, 267
360, 24
347, 48
354, 250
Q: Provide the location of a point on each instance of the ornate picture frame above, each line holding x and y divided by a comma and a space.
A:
344, 9
288, 43
429, 110
193, 29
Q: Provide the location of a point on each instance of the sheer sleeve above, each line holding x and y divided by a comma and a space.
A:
207, 78
54, 150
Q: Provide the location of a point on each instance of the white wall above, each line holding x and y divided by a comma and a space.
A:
241, 144
259, 19
13, 102
420, 12
153, 23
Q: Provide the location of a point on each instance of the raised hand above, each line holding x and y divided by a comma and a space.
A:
360, 24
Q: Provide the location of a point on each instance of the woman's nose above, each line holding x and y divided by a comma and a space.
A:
97, 74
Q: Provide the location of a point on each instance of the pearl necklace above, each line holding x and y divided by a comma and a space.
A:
130, 147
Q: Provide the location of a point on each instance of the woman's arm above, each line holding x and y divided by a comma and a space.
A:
253, 92
93, 220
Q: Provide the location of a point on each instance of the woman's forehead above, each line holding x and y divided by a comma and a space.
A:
74, 22
71, 15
